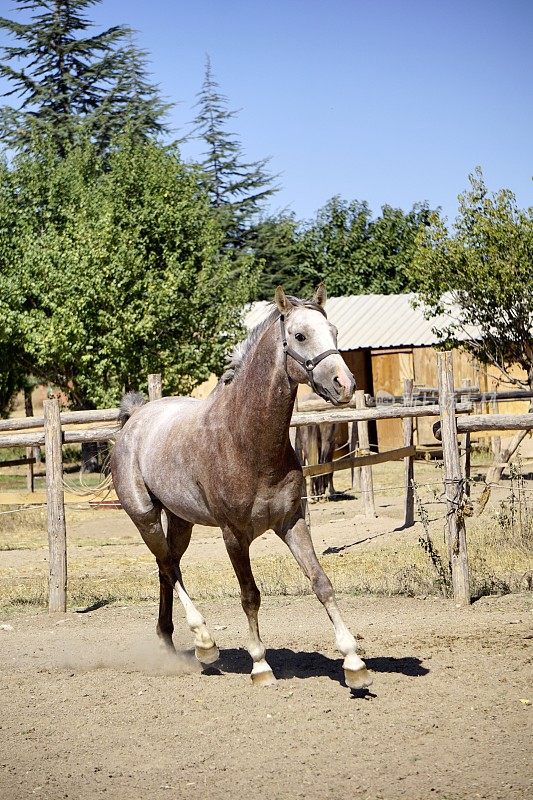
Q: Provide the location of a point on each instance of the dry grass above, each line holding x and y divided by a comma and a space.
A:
22, 529
26, 529
496, 567
499, 562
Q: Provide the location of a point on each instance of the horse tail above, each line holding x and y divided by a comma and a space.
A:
130, 403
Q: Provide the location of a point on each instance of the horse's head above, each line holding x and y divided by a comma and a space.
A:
310, 345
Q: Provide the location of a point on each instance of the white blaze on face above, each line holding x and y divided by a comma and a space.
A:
310, 334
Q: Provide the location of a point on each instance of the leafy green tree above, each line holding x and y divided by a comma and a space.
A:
11, 377
356, 254
237, 188
67, 78
132, 103
332, 247
481, 275
391, 247
343, 245
112, 269
12, 372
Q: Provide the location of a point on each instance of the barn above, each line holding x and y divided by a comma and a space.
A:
385, 339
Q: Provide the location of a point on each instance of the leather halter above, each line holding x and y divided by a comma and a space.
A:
307, 363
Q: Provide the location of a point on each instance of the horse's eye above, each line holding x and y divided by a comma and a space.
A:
299, 337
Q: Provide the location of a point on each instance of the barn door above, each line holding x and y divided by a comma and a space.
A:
389, 370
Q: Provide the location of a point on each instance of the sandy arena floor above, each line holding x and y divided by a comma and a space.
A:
91, 707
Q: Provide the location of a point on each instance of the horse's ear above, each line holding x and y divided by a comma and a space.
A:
282, 301
320, 295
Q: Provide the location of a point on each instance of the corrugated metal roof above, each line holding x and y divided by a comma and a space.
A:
370, 320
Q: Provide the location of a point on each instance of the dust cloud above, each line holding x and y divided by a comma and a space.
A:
150, 658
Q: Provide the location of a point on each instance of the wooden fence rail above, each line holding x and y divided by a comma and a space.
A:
298, 419
367, 414
37, 439
490, 422
424, 397
18, 462
66, 417
313, 470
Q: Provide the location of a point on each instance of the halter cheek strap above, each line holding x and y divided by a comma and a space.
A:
307, 363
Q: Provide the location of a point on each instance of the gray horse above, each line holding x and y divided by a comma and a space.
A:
227, 461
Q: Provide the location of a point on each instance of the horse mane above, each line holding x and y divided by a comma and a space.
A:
242, 349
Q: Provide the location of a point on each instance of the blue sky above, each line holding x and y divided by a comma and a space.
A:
389, 101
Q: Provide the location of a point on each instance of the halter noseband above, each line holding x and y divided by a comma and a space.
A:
307, 363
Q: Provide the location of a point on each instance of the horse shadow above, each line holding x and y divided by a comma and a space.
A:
288, 664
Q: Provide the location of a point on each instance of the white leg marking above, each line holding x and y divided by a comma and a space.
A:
206, 649
262, 674
356, 674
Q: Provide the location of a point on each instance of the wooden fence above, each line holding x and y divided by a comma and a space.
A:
53, 436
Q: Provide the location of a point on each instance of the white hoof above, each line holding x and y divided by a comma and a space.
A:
207, 655
262, 675
263, 678
356, 673
358, 679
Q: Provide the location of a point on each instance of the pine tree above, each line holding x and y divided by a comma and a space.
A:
237, 189
132, 102
71, 82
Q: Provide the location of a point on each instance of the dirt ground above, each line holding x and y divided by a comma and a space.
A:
337, 525
92, 708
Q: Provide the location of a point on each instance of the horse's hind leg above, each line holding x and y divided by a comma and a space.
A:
178, 538
251, 600
146, 514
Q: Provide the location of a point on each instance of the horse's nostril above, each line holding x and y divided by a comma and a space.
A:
337, 381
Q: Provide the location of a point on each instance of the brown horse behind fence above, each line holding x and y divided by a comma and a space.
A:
227, 461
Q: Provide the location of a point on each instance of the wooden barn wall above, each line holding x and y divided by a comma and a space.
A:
358, 362
466, 370
389, 369
493, 382
384, 370
360, 365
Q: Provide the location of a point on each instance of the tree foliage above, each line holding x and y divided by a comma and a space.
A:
110, 270
71, 80
274, 243
482, 274
343, 245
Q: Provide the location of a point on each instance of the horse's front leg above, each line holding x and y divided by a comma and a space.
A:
298, 539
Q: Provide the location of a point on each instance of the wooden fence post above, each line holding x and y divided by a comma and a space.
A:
453, 483
466, 451
55, 507
409, 472
155, 390
466, 443
354, 445
30, 451
367, 486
